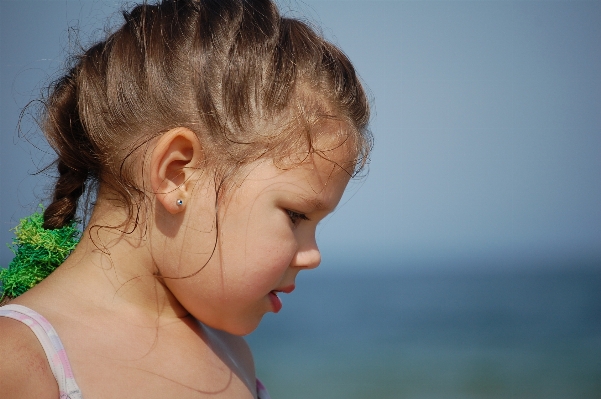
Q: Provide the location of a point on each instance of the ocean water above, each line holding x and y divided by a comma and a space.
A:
433, 335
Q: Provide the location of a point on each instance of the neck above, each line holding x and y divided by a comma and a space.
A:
113, 267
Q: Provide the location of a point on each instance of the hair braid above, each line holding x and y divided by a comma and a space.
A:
67, 135
69, 187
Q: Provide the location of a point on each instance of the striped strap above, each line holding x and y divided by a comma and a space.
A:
55, 351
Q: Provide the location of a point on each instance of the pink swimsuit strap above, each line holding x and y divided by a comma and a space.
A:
262, 391
55, 351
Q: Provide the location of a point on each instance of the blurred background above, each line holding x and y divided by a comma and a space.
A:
467, 264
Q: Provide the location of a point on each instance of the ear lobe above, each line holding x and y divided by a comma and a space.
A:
173, 162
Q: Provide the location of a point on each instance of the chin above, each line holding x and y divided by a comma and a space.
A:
242, 330
236, 327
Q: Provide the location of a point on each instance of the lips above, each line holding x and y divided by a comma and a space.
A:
276, 302
287, 289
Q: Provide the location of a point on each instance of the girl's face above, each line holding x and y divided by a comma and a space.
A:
266, 236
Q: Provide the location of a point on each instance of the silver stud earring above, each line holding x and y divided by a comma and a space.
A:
179, 202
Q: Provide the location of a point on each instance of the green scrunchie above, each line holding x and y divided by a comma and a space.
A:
38, 252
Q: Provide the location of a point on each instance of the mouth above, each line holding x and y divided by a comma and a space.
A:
276, 302
287, 289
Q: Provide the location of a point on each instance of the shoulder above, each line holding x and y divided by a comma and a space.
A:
24, 369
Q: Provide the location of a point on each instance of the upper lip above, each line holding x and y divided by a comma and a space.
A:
286, 290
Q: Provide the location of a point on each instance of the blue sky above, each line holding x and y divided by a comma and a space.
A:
486, 118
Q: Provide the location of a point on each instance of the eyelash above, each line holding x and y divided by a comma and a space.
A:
296, 216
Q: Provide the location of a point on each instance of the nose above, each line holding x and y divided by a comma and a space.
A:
308, 255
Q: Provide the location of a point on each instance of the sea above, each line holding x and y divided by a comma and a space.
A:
435, 335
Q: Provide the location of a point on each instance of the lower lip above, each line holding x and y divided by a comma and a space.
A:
276, 303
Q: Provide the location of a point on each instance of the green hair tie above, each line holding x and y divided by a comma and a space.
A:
38, 252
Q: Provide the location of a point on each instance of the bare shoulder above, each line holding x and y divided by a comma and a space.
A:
24, 369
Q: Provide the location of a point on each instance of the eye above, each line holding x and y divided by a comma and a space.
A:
296, 217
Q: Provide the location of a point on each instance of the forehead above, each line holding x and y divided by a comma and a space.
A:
316, 173
318, 182
322, 172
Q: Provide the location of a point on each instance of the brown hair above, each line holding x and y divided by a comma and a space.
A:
225, 69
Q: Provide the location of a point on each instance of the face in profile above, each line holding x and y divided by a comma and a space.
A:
266, 236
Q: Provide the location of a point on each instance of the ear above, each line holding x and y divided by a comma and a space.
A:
173, 163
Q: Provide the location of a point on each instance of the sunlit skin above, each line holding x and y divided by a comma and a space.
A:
267, 235
266, 231
142, 294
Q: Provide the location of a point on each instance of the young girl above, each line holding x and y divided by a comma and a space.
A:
214, 136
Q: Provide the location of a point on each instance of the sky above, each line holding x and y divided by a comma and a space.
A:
486, 118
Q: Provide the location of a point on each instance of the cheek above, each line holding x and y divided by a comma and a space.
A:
260, 262
257, 234
271, 239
